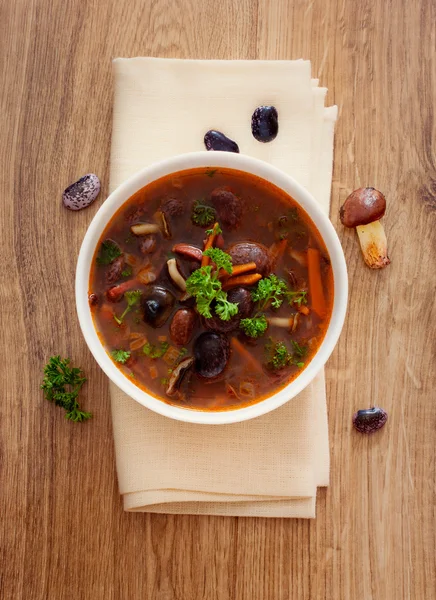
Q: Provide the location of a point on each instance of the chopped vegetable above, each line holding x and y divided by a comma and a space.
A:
121, 356
153, 351
209, 246
62, 384
254, 327
239, 270
315, 282
242, 280
269, 289
109, 251
132, 298
202, 214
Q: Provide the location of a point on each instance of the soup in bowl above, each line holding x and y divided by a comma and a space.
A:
211, 287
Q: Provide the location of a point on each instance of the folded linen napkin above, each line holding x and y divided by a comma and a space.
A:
270, 466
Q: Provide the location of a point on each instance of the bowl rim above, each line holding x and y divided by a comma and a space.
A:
212, 160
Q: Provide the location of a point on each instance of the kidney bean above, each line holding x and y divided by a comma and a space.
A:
182, 326
115, 269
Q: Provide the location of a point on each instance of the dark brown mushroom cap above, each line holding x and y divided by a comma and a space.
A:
362, 206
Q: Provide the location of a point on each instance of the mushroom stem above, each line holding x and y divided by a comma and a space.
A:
374, 245
175, 275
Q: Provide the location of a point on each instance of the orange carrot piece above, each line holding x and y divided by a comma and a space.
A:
241, 280
209, 243
246, 355
315, 282
303, 309
153, 372
238, 270
277, 250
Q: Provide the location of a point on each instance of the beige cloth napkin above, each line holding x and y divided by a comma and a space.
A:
270, 466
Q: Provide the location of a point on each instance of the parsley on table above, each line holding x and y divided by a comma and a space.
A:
109, 251
202, 214
132, 298
205, 286
62, 384
121, 356
155, 351
254, 327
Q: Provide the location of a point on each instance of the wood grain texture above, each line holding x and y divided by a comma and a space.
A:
63, 532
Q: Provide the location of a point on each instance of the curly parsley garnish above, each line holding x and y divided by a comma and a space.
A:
62, 384
254, 327
269, 289
121, 356
279, 356
109, 251
202, 214
132, 298
206, 288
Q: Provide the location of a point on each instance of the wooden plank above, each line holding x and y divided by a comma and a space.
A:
64, 533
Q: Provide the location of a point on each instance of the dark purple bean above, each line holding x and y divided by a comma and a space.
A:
115, 269
211, 352
148, 243
228, 207
245, 252
182, 326
93, 299
370, 420
215, 140
82, 192
264, 123
157, 305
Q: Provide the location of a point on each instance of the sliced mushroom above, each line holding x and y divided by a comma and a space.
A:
175, 274
144, 228
178, 374
362, 209
163, 224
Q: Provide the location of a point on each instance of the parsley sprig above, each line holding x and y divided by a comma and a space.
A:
109, 251
202, 214
132, 298
62, 384
206, 288
280, 357
121, 356
153, 351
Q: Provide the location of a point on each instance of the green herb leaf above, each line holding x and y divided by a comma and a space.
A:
127, 271
223, 308
299, 297
254, 327
279, 356
221, 259
109, 251
121, 356
164, 381
216, 229
269, 289
153, 351
132, 297
61, 385
210, 172
202, 214
299, 351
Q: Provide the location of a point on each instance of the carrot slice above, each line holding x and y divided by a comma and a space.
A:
209, 243
238, 270
246, 355
304, 310
241, 280
315, 282
276, 251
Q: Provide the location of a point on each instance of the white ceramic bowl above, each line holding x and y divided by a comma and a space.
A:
212, 160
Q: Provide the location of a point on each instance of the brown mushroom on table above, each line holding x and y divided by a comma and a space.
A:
363, 210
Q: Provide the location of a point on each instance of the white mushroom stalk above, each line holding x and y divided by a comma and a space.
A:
175, 274
374, 244
144, 228
286, 322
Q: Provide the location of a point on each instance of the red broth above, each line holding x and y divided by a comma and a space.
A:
136, 301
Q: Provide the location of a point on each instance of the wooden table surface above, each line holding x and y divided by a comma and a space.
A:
64, 533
